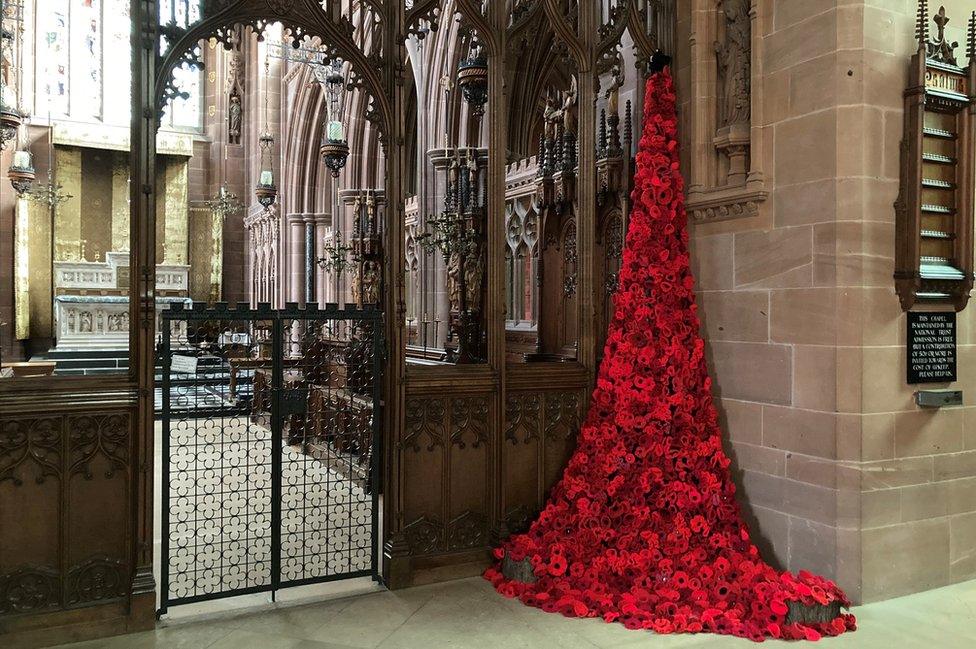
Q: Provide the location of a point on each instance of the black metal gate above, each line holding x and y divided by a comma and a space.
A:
270, 448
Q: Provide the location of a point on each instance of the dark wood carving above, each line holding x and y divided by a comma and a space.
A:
469, 421
423, 535
93, 435
518, 519
37, 441
425, 420
935, 206
29, 590
562, 415
61, 562
95, 580
522, 413
469, 530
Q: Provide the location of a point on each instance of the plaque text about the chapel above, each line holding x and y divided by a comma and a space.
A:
931, 347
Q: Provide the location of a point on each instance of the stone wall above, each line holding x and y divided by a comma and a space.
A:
919, 466
841, 473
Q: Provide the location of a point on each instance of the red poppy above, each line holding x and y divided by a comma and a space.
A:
648, 488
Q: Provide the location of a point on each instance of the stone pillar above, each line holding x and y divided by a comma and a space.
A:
296, 258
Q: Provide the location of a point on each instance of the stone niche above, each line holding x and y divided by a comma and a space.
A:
727, 179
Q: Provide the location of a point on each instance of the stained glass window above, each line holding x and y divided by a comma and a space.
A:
83, 63
53, 81
116, 67
86, 59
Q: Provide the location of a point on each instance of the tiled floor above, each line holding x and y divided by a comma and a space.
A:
467, 614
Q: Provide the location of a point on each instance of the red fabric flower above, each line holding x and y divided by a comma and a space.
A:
643, 528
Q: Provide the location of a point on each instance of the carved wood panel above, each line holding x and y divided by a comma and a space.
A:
540, 434
445, 459
72, 547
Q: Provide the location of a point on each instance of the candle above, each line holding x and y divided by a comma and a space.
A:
267, 178
23, 160
335, 130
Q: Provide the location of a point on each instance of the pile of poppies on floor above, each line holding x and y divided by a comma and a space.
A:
643, 528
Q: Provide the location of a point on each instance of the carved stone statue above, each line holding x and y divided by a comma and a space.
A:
454, 282
734, 64
472, 280
371, 283
613, 92
234, 119
550, 114
570, 98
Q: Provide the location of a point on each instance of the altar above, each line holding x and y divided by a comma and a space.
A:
91, 303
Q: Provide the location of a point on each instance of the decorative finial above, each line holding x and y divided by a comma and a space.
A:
922, 24
939, 49
971, 38
941, 20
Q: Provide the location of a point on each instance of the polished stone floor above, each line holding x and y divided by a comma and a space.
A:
467, 614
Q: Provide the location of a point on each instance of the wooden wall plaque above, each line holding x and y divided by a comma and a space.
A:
934, 211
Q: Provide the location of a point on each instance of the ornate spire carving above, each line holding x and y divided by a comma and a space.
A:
971, 38
922, 24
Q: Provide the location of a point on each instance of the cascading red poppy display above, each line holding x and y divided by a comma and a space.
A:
643, 528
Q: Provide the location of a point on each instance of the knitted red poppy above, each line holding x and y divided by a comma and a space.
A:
643, 528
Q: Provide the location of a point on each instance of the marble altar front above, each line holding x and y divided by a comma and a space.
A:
91, 304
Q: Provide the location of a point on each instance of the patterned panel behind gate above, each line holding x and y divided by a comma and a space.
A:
269, 422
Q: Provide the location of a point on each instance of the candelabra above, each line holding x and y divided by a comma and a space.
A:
336, 259
51, 194
456, 234
224, 203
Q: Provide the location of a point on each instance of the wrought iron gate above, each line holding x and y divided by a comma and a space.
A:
270, 448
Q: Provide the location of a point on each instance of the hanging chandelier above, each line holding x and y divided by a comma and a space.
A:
51, 193
472, 78
266, 190
21, 171
10, 121
224, 203
335, 148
